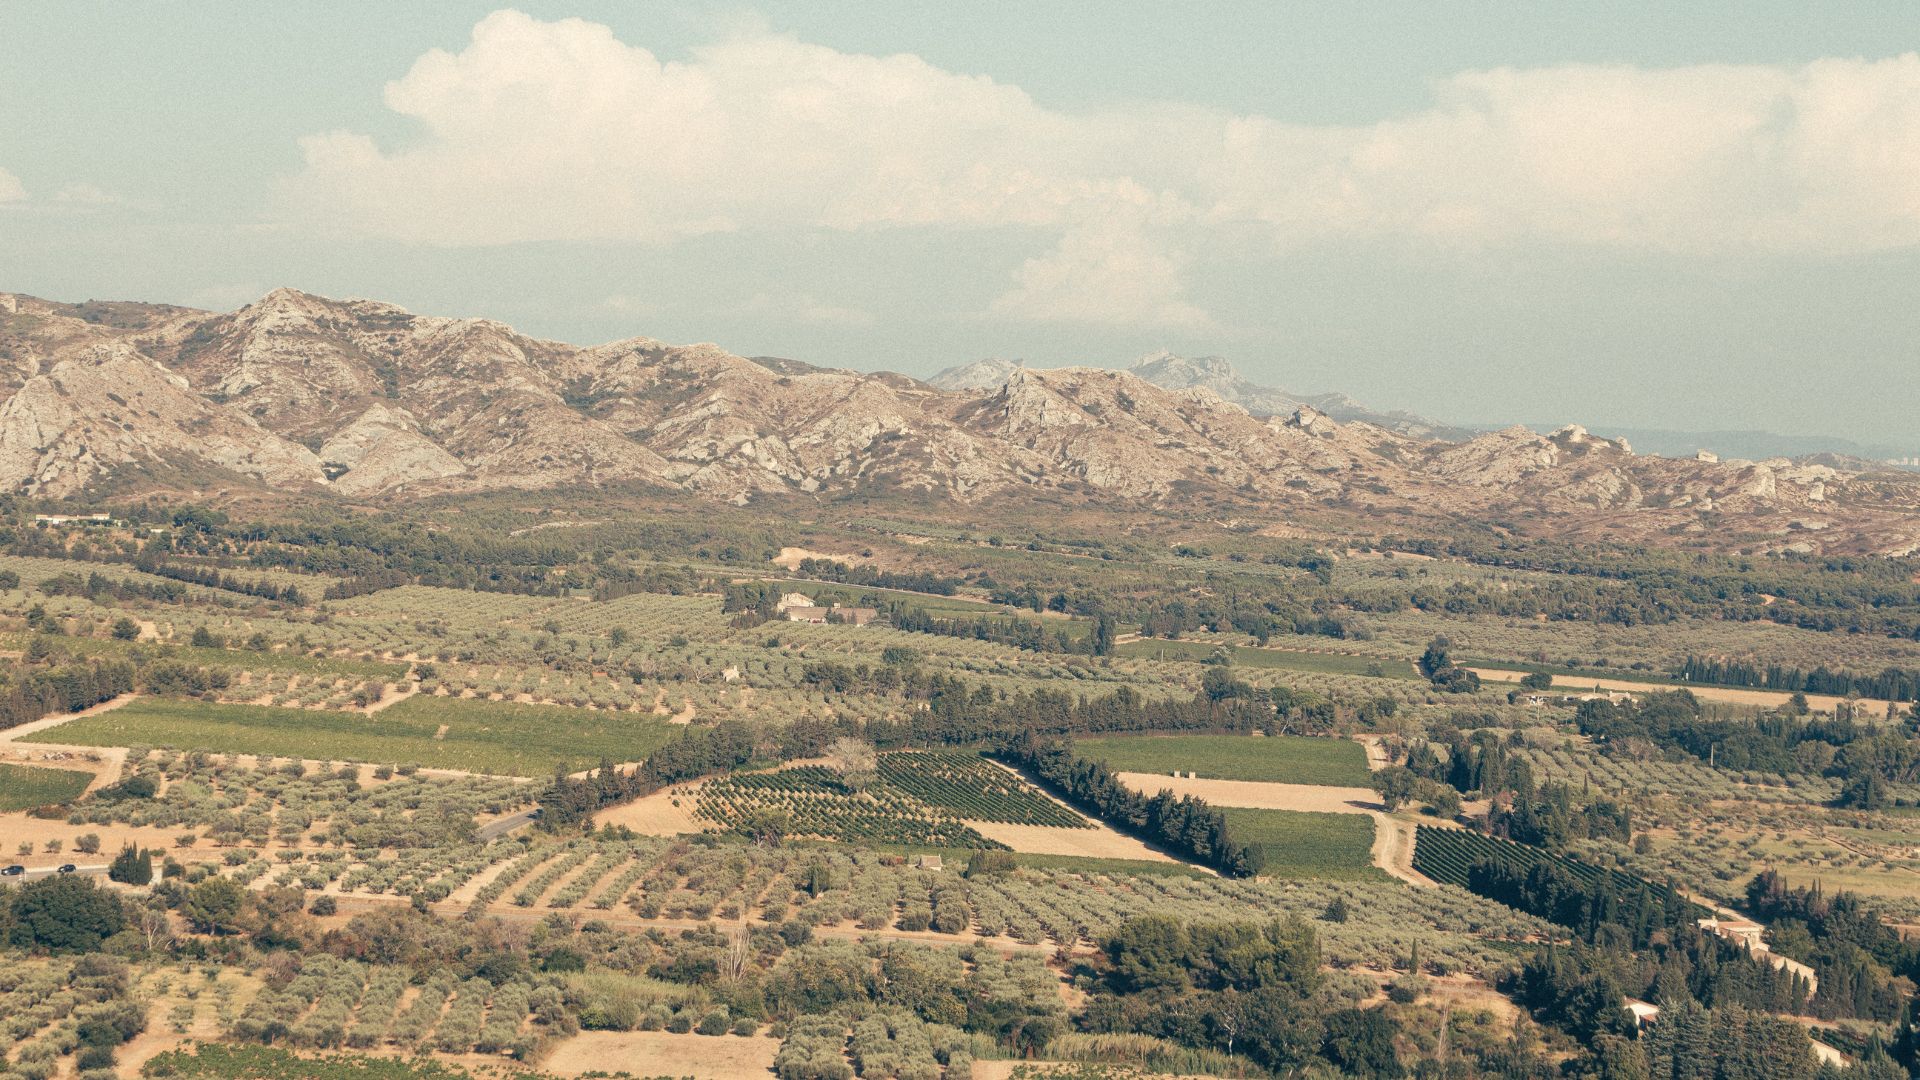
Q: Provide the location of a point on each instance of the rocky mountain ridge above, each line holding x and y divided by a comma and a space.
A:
362, 400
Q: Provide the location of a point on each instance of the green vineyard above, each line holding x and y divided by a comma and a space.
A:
973, 788
818, 805
1448, 856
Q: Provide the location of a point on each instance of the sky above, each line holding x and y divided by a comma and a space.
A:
1678, 215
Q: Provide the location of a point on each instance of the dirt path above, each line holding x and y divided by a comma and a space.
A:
1376, 747
408, 688
104, 762
101, 764
14, 734
1393, 850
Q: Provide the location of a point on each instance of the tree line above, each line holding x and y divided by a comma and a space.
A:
29, 692
1892, 684
214, 579
1865, 758
1184, 825
1855, 954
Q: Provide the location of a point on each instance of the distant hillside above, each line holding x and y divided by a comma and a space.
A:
297, 395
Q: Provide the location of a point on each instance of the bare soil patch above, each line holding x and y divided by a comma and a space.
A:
660, 1053
655, 814
1259, 794
205, 1026
18, 828
1099, 842
790, 557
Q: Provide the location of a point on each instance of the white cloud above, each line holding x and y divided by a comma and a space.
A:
11, 190
558, 131
1115, 275
1702, 160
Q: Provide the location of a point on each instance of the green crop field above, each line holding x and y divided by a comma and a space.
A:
1277, 759
480, 736
23, 787
1294, 844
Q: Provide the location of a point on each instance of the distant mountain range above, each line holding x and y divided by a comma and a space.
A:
1760, 445
1215, 373
301, 397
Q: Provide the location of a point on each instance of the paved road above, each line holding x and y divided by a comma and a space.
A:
53, 868
504, 826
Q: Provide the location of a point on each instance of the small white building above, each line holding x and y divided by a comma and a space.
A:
1742, 931
1751, 936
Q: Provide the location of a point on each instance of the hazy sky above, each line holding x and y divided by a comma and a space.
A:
1658, 214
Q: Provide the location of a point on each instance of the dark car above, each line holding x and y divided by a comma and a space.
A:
13, 871
535, 812
68, 868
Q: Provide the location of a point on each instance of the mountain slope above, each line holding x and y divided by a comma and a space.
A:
358, 399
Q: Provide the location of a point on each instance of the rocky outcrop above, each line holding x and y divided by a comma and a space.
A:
384, 450
107, 407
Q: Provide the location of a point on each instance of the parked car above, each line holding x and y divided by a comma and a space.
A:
13, 871
68, 868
